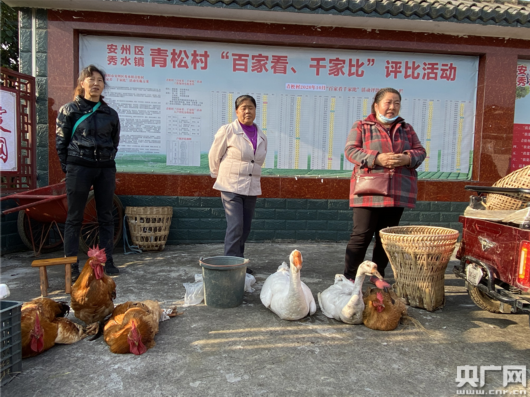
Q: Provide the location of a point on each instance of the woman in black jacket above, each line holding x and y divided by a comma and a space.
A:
88, 133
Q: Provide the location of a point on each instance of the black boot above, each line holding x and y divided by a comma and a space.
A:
75, 272
110, 269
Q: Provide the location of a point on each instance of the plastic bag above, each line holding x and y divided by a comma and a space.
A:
194, 291
250, 280
4, 292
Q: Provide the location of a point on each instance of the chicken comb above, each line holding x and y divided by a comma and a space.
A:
379, 296
97, 254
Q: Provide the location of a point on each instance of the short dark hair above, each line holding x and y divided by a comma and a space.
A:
243, 98
87, 72
381, 93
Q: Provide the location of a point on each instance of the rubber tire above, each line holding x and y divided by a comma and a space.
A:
85, 242
482, 300
56, 242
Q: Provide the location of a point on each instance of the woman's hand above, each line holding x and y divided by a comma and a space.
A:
392, 160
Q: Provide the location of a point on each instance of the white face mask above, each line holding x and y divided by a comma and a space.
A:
386, 120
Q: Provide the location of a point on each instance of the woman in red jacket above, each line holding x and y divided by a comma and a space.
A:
381, 142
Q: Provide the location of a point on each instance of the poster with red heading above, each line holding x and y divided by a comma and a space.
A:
172, 96
521, 126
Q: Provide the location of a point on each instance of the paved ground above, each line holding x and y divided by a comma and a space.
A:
247, 351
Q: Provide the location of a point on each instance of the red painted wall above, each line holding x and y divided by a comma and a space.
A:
495, 92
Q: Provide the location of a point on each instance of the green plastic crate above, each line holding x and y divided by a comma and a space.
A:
10, 340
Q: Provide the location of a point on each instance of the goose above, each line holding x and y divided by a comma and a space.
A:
285, 294
343, 300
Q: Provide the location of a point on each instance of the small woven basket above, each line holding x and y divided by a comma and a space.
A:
149, 226
519, 179
419, 256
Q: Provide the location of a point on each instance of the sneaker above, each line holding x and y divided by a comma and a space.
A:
110, 269
249, 270
75, 272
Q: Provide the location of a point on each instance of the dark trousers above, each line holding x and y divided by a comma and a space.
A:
79, 179
239, 211
368, 221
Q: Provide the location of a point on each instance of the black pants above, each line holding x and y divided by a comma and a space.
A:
79, 179
239, 211
366, 222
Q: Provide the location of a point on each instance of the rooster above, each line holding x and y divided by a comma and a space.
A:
383, 310
93, 292
133, 326
43, 325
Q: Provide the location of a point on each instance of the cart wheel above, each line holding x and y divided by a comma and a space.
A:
46, 234
482, 300
89, 235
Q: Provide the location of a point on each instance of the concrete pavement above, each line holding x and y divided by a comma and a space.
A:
248, 351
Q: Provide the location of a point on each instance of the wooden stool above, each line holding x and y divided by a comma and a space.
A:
42, 263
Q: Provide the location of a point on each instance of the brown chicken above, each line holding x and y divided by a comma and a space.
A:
43, 325
93, 292
133, 326
383, 310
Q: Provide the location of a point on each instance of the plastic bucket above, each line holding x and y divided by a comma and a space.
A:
224, 280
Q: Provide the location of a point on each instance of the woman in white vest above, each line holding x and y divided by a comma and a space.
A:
236, 156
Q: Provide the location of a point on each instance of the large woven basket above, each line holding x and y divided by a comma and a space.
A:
519, 179
419, 256
149, 226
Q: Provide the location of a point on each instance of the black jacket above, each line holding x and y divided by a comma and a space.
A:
95, 141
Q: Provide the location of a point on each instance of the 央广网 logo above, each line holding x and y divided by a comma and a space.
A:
475, 376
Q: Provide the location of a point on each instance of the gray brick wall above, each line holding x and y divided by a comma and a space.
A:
202, 219
41, 75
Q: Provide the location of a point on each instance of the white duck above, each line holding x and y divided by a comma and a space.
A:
285, 294
343, 301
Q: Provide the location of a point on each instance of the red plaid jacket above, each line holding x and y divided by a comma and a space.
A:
366, 139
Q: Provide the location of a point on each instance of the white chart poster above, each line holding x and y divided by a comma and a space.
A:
8, 131
172, 96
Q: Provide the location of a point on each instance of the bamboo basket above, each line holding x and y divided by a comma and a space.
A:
519, 179
149, 226
419, 256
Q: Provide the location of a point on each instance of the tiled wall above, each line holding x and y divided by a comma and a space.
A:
41, 74
202, 219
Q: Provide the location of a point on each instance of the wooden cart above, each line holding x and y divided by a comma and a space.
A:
42, 215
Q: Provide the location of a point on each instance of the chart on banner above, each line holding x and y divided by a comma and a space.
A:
172, 96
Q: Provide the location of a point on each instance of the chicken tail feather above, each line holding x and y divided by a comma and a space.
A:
65, 309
